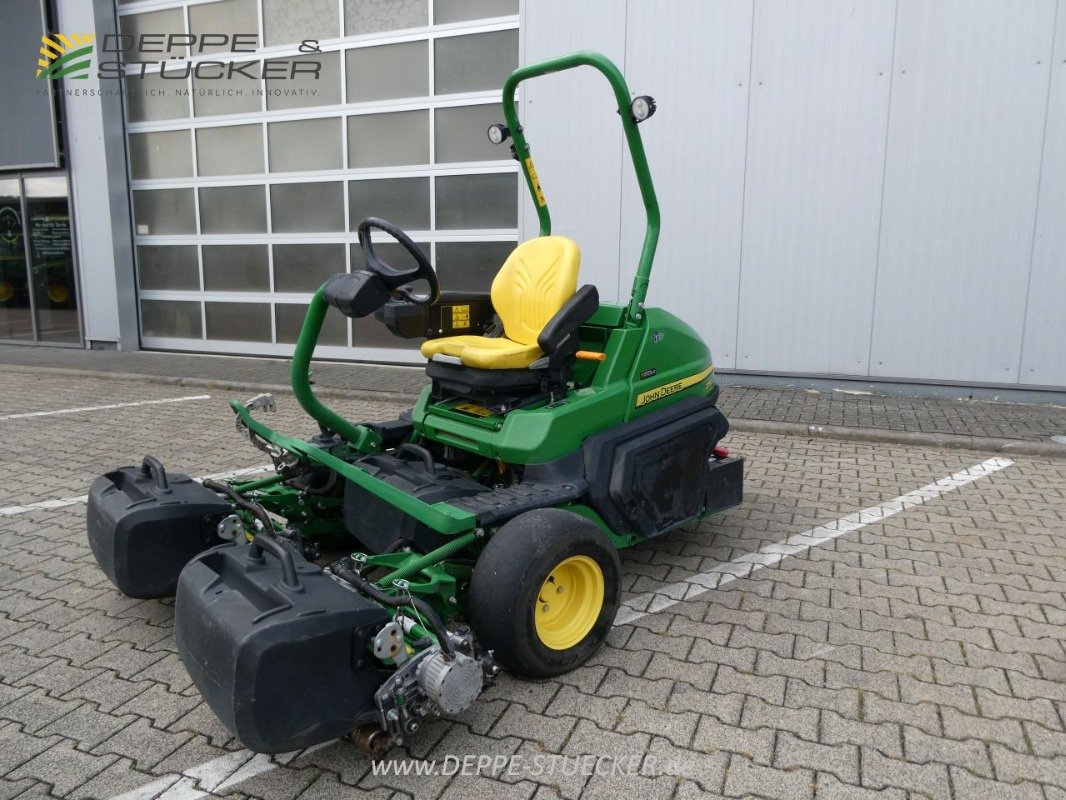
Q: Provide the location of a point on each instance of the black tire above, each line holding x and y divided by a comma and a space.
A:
508, 578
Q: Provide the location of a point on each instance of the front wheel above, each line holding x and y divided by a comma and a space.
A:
544, 592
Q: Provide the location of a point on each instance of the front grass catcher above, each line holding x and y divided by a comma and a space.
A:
486, 521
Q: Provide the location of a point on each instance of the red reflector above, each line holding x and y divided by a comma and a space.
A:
721, 452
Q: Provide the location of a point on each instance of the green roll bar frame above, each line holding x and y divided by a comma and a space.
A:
586, 58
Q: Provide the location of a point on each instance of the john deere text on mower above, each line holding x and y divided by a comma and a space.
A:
487, 520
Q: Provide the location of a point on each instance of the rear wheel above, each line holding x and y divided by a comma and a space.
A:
544, 592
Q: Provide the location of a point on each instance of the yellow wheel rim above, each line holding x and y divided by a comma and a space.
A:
569, 602
7, 291
58, 293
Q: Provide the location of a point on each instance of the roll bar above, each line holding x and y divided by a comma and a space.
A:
614, 76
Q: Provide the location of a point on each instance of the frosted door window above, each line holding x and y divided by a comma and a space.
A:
162, 154
236, 268
477, 201
173, 318
402, 201
225, 17
242, 322
151, 98
373, 16
304, 89
232, 209
445, 11
391, 70
461, 134
289, 319
300, 207
305, 267
475, 62
384, 140
159, 23
305, 144
233, 150
167, 267
161, 211
288, 21
233, 93
470, 266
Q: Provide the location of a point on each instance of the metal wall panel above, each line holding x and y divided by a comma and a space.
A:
1044, 347
816, 145
695, 145
574, 139
969, 100
98, 193
866, 207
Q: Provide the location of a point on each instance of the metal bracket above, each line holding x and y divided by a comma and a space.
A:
264, 402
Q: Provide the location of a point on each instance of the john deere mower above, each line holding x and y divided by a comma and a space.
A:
383, 572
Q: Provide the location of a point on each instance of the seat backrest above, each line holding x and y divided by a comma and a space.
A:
533, 283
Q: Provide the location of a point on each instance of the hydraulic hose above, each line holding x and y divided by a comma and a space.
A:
251, 507
433, 620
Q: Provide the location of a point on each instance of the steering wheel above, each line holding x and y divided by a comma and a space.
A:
398, 281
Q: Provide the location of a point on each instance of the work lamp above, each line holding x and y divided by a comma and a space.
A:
641, 108
498, 133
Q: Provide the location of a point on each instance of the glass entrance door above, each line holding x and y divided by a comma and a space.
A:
16, 310
38, 284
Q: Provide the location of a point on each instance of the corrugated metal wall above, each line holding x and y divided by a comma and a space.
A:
870, 188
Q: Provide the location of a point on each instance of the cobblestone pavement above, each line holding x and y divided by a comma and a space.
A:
922, 656
1035, 422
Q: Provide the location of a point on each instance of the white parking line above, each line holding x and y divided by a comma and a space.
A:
105, 408
229, 770
741, 567
218, 775
63, 502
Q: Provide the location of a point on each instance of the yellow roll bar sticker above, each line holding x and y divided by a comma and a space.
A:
535, 182
667, 389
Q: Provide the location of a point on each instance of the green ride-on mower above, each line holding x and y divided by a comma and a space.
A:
487, 520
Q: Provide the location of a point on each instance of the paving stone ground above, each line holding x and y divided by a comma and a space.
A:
920, 657
1034, 421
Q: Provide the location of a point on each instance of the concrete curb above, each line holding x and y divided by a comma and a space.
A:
910, 438
953, 441
210, 383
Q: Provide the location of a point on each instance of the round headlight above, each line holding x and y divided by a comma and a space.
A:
498, 133
642, 107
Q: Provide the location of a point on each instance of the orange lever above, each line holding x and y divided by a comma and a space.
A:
588, 355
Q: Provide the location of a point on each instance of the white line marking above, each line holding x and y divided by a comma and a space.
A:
63, 502
227, 771
741, 567
105, 408
218, 775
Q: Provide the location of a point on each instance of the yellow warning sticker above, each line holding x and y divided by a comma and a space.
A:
470, 408
460, 317
667, 389
535, 182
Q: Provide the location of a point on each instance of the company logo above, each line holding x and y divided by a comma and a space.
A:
65, 56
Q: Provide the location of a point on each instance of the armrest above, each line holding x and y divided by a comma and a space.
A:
355, 294
574, 313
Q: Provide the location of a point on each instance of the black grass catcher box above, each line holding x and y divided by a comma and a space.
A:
277, 647
144, 526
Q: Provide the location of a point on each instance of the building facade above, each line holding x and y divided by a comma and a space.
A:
860, 191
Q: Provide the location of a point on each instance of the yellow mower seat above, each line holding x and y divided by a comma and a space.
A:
532, 285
